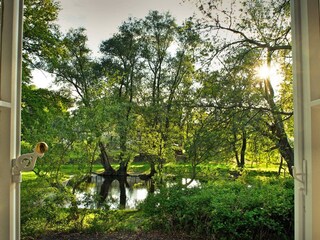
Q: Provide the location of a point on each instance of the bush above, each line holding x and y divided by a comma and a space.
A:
49, 210
226, 210
41, 207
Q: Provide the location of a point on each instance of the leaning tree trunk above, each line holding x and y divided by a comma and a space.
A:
152, 171
286, 151
278, 132
105, 161
277, 128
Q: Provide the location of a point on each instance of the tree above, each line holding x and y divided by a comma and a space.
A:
148, 64
205, 139
73, 67
40, 34
170, 52
262, 27
45, 118
121, 64
158, 35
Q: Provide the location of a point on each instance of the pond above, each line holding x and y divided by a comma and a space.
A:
119, 193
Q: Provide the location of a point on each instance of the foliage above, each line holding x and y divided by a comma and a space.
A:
256, 204
73, 66
176, 93
150, 92
43, 111
146, 80
47, 209
225, 210
42, 207
40, 34
259, 32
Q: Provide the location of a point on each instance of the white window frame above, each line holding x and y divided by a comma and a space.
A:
306, 72
10, 92
306, 59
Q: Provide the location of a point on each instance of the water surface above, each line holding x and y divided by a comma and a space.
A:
119, 193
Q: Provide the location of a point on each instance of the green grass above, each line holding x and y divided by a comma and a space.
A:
97, 168
203, 170
140, 167
70, 169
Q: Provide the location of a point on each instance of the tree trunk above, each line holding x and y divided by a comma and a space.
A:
105, 161
280, 165
122, 171
287, 153
279, 134
234, 148
277, 128
152, 171
243, 149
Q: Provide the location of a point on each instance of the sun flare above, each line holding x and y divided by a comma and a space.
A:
263, 71
273, 73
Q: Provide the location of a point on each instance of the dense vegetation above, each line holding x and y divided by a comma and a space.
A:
256, 205
182, 98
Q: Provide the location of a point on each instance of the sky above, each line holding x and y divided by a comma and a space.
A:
101, 19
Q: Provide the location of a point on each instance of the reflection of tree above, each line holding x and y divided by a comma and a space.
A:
123, 197
106, 186
124, 184
150, 185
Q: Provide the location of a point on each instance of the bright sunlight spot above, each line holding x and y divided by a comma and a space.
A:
263, 71
273, 72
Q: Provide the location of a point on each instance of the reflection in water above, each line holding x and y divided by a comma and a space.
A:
116, 192
119, 192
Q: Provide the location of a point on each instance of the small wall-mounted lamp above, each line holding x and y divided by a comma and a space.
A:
26, 162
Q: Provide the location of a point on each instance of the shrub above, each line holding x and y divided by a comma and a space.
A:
225, 210
41, 207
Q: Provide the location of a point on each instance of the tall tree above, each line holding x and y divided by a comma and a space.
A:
170, 52
122, 67
263, 27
